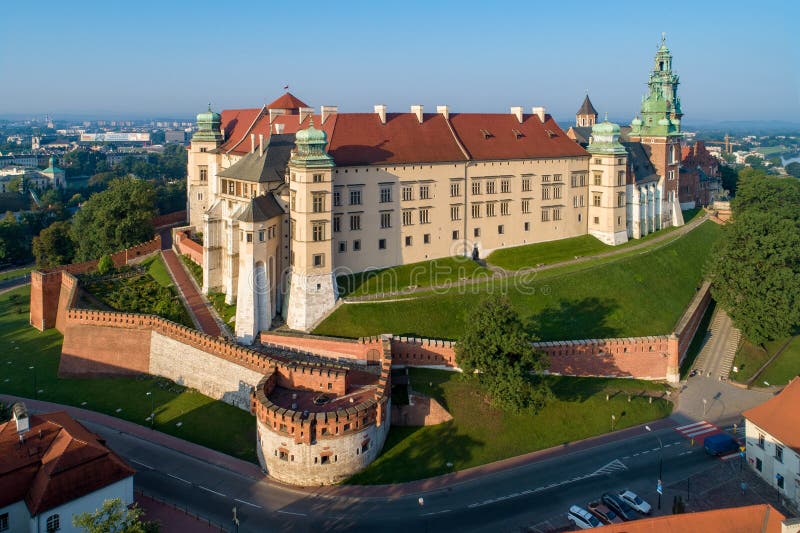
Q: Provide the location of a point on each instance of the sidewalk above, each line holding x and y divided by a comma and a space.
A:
172, 519
196, 303
252, 471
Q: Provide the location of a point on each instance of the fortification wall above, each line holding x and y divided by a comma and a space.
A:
413, 351
186, 246
176, 217
92, 351
330, 347
686, 328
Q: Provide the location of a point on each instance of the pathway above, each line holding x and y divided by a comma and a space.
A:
500, 273
195, 302
716, 356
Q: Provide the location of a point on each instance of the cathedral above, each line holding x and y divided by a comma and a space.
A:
287, 198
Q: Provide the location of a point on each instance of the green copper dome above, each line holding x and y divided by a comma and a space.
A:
208, 126
311, 135
605, 139
605, 128
311, 143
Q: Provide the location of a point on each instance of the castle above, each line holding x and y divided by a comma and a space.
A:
286, 199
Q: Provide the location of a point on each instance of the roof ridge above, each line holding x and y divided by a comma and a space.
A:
457, 139
249, 129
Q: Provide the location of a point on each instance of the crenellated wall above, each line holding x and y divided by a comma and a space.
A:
186, 246
176, 217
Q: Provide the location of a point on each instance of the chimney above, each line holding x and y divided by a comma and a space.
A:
417, 110
279, 128
305, 112
444, 111
260, 145
20, 415
252, 142
328, 110
539, 112
380, 109
517, 112
275, 113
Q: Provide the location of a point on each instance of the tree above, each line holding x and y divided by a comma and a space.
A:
14, 243
114, 219
729, 179
105, 265
114, 517
793, 169
496, 350
54, 246
756, 269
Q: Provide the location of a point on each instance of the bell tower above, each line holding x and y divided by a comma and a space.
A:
312, 285
608, 184
587, 114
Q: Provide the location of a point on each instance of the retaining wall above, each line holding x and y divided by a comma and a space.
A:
186, 246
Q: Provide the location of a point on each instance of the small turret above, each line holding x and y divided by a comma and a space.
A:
587, 114
208, 127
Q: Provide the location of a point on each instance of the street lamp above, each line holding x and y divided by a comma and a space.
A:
705, 403
613, 418
35, 393
660, 463
152, 410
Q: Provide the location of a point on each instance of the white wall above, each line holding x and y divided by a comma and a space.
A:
18, 517
89, 503
771, 467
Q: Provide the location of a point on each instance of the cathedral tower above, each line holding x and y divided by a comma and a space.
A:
586, 115
312, 285
607, 184
659, 130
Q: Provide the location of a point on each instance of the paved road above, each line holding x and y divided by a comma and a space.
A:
537, 493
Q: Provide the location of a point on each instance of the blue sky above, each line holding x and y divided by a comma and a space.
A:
737, 60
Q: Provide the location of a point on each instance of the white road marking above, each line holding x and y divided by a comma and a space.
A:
689, 426
211, 490
436, 512
290, 512
247, 503
142, 464
179, 479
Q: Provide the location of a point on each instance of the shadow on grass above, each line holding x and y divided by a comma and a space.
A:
587, 315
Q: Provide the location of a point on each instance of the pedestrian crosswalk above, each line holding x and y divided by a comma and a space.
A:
698, 431
614, 466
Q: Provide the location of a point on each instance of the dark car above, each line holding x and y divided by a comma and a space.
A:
720, 444
622, 509
606, 515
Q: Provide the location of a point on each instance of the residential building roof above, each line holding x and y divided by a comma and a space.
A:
58, 461
780, 416
643, 169
751, 519
261, 209
264, 167
287, 101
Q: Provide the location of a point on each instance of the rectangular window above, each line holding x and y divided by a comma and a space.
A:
455, 190
355, 222
357, 245
598, 178
501, 229
556, 214
386, 194
424, 216
557, 192
574, 180
455, 212
261, 235
505, 186
318, 202
490, 187
504, 209
4, 522
597, 162
408, 217
293, 200
545, 215
355, 196
779, 453
342, 246
779, 481
318, 178
292, 228
476, 187
596, 198
424, 192
381, 244
476, 210
574, 201
545, 192
408, 240
526, 226
319, 260
408, 193
759, 464
476, 232
546, 178
526, 184
526, 206
203, 177
620, 199
596, 220
337, 197
621, 177
337, 224
426, 238
490, 209
386, 220
670, 175
761, 441
582, 201
557, 177
456, 235
318, 231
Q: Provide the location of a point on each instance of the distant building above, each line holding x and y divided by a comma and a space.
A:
772, 432
51, 469
51, 177
700, 179
178, 137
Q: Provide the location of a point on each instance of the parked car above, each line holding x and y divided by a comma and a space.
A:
720, 444
635, 501
616, 504
582, 518
606, 515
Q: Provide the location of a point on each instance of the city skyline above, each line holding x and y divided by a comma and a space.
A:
172, 60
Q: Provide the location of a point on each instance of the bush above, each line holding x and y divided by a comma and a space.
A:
105, 265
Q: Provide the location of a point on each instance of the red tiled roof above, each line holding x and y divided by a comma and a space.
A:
780, 416
287, 101
58, 461
235, 123
751, 519
534, 140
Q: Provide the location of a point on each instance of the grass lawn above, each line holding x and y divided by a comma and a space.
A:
749, 358
785, 367
424, 274
480, 433
205, 421
194, 269
158, 270
15, 272
639, 293
225, 311
771, 150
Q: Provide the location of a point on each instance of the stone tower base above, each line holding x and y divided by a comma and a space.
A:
612, 238
311, 297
